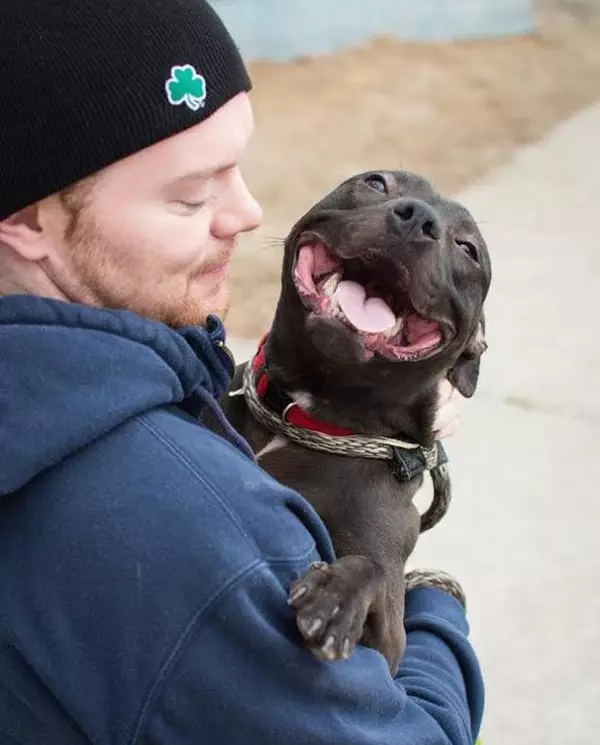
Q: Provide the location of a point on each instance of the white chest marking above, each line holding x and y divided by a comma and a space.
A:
277, 443
303, 399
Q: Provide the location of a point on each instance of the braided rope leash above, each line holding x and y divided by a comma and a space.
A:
436, 579
442, 496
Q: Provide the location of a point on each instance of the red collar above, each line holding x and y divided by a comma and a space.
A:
284, 405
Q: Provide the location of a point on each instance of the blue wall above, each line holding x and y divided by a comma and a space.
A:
284, 29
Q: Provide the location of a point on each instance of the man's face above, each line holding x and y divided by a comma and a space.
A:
156, 232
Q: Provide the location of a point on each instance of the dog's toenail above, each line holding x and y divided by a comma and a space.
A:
322, 565
346, 648
314, 627
335, 611
298, 593
329, 647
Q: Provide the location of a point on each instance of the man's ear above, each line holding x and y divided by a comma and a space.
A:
465, 373
22, 233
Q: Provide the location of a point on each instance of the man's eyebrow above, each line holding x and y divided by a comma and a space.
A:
199, 175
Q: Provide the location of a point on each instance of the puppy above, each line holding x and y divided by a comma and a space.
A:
382, 298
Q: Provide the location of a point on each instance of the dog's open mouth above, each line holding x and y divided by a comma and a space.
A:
373, 300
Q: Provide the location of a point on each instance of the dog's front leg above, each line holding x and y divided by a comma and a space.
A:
340, 604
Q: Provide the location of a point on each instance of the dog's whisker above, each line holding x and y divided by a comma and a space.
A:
272, 242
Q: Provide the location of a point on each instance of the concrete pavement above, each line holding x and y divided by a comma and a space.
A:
522, 531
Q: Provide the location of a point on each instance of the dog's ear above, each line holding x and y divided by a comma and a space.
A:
465, 373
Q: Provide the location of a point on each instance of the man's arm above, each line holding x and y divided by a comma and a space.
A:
439, 656
241, 675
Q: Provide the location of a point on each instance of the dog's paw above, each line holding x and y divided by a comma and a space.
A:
332, 603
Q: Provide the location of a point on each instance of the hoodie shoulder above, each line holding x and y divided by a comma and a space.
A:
70, 374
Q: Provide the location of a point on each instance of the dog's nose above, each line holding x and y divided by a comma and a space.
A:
416, 220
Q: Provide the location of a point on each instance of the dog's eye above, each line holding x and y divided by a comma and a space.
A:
469, 248
378, 183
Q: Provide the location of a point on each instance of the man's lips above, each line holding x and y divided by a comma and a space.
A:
217, 272
217, 269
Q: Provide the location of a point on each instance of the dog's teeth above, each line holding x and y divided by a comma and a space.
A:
331, 285
396, 328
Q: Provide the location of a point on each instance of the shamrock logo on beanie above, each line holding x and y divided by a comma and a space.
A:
186, 86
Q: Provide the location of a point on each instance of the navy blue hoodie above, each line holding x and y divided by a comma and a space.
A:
145, 562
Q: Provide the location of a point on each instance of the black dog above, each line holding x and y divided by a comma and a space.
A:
382, 297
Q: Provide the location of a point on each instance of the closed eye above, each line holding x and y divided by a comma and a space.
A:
192, 206
470, 249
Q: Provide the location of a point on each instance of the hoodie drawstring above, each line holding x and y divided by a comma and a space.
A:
234, 437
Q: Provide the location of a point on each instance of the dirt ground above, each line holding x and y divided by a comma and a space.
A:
449, 111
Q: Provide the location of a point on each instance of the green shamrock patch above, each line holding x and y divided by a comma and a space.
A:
186, 86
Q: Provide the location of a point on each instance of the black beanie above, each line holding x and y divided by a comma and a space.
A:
85, 83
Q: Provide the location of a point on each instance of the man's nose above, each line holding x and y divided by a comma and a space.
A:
242, 213
254, 213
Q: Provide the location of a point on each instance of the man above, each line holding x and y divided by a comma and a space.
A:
145, 562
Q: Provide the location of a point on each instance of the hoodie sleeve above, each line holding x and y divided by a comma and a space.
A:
242, 677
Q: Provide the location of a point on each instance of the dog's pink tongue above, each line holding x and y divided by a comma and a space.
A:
371, 315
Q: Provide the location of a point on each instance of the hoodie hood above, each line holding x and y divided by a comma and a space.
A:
70, 373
